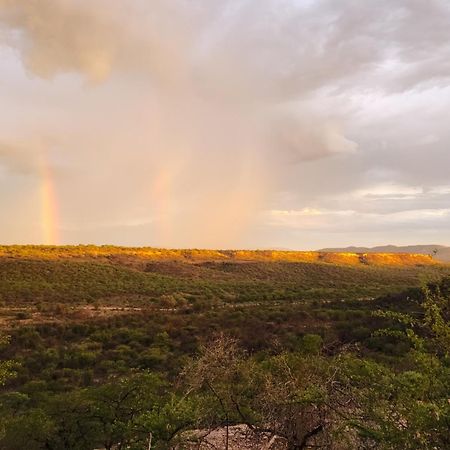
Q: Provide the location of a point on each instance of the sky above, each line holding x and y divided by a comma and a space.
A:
296, 124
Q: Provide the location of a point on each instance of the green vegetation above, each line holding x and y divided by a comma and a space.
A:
74, 282
122, 353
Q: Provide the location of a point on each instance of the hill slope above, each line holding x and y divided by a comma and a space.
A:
145, 277
441, 252
130, 254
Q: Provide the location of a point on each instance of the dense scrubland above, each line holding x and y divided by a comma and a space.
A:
108, 347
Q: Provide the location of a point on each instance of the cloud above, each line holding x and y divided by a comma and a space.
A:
57, 36
240, 50
14, 159
195, 116
20, 158
351, 220
301, 139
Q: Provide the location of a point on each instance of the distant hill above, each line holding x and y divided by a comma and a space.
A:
138, 255
439, 252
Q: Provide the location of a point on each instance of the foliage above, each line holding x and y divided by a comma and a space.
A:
6, 367
117, 351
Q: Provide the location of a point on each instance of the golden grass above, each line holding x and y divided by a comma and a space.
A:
341, 258
197, 255
403, 259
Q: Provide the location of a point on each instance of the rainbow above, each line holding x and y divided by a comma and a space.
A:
49, 204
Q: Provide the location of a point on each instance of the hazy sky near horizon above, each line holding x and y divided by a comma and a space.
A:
225, 123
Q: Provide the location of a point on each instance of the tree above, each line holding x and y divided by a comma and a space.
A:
286, 395
409, 408
6, 367
120, 414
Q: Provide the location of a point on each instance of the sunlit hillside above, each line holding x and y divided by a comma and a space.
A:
196, 255
39, 276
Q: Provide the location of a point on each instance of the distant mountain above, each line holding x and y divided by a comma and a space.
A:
439, 252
